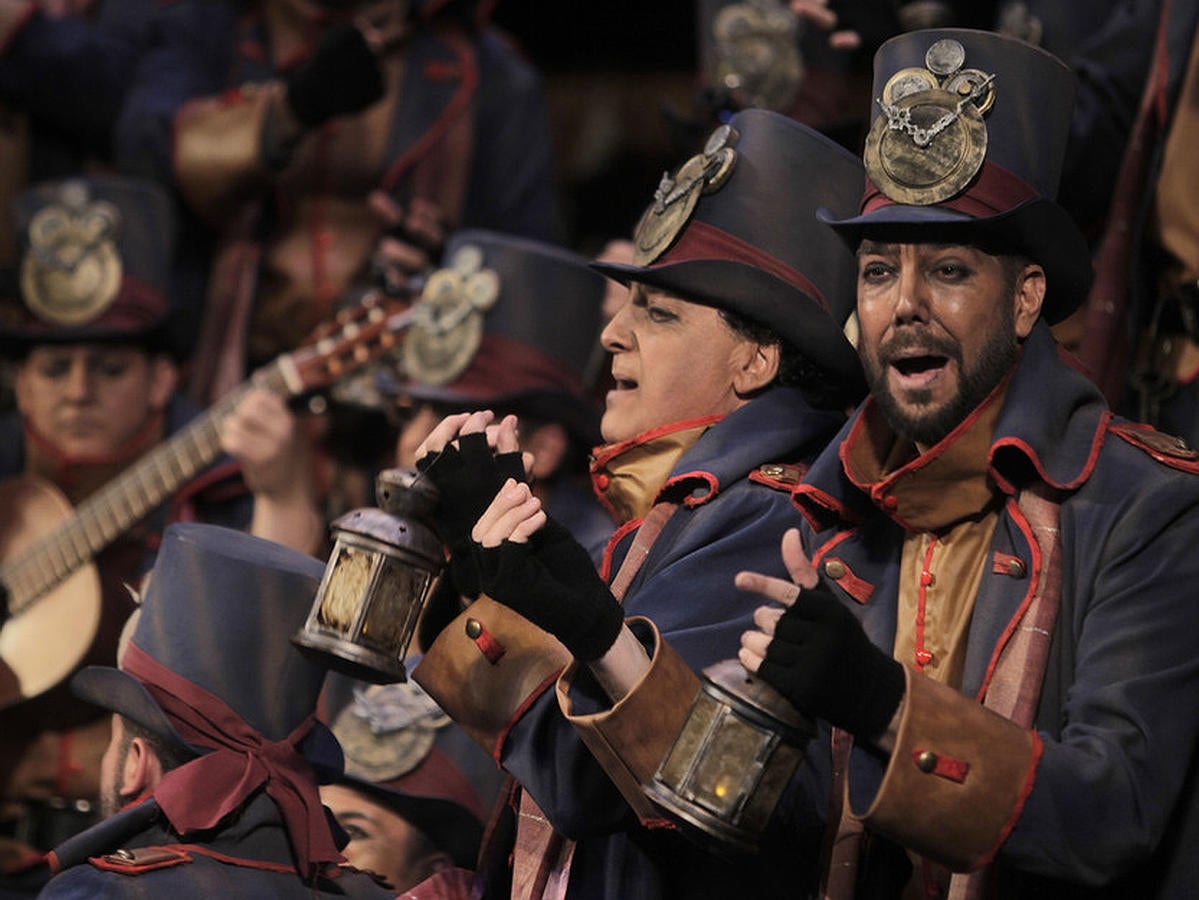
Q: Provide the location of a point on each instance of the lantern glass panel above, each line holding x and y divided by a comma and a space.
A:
729, 767
346, 589
398, 600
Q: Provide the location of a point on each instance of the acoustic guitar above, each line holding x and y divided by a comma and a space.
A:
54, 597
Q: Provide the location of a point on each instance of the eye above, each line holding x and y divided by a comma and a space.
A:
952, 270
354, 832
112, 367
873, 270
659, 313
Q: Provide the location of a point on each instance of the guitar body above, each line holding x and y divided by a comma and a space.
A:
39, 647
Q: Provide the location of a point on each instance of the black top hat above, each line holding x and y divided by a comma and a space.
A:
219, 611
735, 228
95, 261
967, 144
512, 323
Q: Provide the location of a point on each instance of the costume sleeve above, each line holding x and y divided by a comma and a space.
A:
188, 56
689, 596
512, 176
71, 73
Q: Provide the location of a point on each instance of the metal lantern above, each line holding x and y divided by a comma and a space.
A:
381, 571
734, 756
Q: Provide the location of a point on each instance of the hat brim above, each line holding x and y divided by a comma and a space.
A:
1038, 229
451, 827
758, 295
121, 693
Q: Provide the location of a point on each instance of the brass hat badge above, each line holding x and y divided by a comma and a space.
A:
71, 271
931, 139
449, 325
677, 195
388, 730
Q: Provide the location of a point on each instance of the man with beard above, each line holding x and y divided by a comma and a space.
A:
985, 607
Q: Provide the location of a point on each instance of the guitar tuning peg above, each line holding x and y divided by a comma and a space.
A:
387, 339
361, 353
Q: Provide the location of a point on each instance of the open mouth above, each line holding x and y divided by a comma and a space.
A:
919, 365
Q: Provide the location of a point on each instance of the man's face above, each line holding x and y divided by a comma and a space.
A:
381, 841
940, 327
91, 399
671, 360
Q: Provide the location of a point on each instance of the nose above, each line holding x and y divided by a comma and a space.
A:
79, 383
911, 301
617, 336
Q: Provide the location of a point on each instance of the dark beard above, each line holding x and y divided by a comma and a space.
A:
995, 360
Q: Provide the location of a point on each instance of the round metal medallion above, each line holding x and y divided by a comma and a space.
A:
661, 224
945, 56
924, 175
380, 757
967, 81
906, 82
442, 342
72, 271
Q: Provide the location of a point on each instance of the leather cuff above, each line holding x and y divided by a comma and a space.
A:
957, 778
486, 667
632, 738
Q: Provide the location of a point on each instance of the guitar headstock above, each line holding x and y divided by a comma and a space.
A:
356, 337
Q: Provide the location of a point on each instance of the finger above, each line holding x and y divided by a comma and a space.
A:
393, 252
755, 642
504, 527
766, 618
505, 437
845, 40
526, 529
477, 421
385, 208
803, 573
511, 495
815, 12
778, 590
750, 659
445, 431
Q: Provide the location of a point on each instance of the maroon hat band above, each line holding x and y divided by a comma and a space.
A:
197, 795
504, 366
995, 190
701, 241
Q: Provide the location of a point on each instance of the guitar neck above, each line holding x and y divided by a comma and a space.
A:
127, 499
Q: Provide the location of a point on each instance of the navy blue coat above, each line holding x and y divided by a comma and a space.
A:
1113, 811
686, 588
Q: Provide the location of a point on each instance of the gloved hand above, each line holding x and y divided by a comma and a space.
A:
822, 661
342, 77
552, 582
467, 478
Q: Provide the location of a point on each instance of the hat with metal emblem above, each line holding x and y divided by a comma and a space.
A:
507, 322
95, 260
735, 228
966, 146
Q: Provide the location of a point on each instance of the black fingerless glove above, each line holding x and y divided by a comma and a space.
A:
822, 661
569, 600
341, 78
467, 478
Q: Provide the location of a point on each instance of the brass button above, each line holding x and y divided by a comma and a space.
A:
473, 628
1015, 568
926, 761
772, 470
834, 569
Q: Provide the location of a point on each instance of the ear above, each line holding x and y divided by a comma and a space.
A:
141, 770
758, 369
1030, 295
548, 443
164, 376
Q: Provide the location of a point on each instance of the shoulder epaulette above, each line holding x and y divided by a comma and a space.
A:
142, 859
780, 476
1165, 448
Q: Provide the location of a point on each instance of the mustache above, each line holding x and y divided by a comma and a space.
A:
905, 342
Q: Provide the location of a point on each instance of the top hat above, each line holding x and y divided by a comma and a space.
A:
735, 228
405, 754
95, 261
966, 145
219, 612
511, 323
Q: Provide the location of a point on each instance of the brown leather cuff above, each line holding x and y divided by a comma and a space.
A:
957, 779
486, 667
218, 149
632, 738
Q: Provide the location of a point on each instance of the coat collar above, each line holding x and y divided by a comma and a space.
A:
1051, 435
